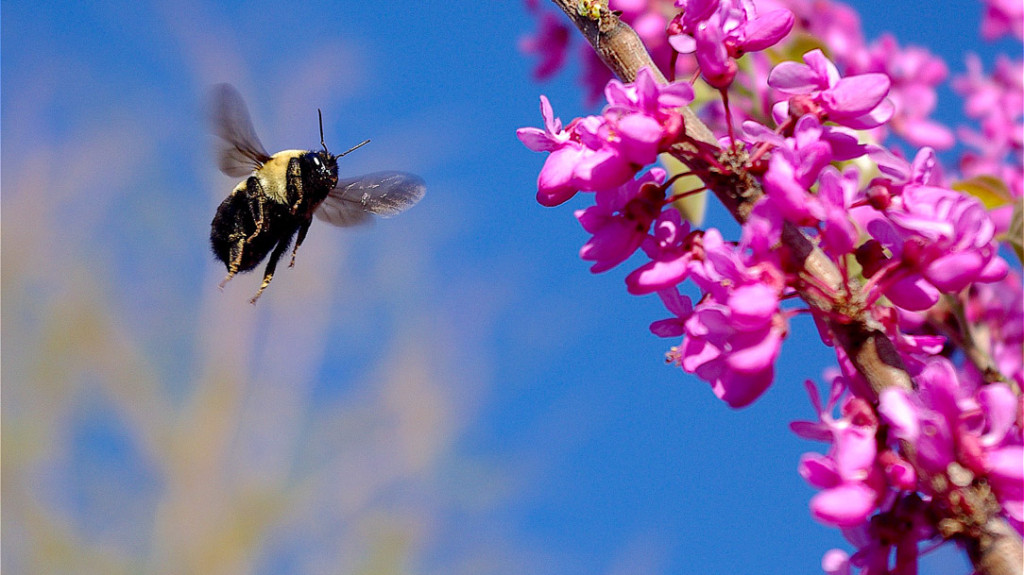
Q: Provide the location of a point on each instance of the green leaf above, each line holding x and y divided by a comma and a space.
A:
991, 190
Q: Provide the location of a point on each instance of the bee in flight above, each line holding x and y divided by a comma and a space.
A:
281, 193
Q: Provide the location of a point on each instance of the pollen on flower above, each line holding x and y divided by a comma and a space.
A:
674, 357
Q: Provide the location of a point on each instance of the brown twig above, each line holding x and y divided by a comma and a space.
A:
993, 546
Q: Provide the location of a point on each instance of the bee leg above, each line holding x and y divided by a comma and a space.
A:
298, 241
268, 274
236, 256
257, 199
224, 282
237, 252
293, 183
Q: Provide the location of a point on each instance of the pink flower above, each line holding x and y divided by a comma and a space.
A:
734, 334
915, 74
1003, 17
850, 482
847, 497
996, 309
720, 32
620, 219
671, 251
955, 233
680, 306
555, 182
856, 101
604, 152
794, 168
940, 240
716, 66
836, 192
739, 364
578, 159
943, 241
645, 113
947, 422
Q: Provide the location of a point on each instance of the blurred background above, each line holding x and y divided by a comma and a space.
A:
450, 391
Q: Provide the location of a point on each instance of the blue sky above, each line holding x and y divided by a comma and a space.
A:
450, 391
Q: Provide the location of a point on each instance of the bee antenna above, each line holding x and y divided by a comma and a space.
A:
354, 148
321, 116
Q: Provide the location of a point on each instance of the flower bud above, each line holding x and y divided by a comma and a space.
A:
878, 195
871, 257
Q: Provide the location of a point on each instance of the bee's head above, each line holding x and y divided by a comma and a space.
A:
325, 165
323, 169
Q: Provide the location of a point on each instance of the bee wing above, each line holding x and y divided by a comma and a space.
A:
240, 151
385, 194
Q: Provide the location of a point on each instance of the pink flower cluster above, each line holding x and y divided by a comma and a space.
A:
602, 152
952, 422
875, 495
940, 240
733, 335
853, 483
924, 256
815, 87
718, 32
915, 237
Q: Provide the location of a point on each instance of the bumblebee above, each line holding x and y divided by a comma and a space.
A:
281, 193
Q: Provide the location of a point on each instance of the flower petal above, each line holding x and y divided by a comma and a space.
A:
794, 78
856, 95
847, 505
740, 390
767, 30
818, 470
895, 406
659, 274
1000, 405
667, 328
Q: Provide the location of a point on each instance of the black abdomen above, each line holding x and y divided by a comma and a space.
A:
233, 223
